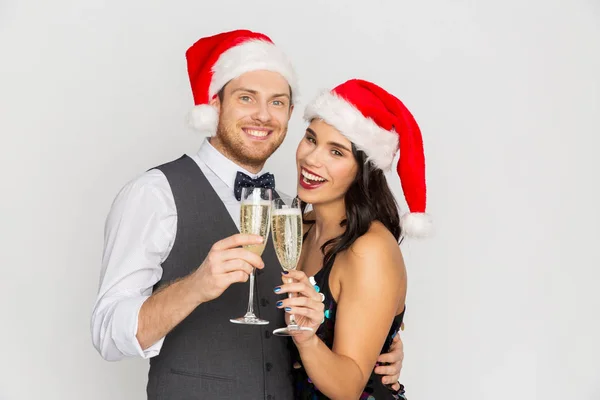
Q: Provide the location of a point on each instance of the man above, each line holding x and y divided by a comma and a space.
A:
172, 248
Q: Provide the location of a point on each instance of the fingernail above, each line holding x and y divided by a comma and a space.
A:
279, 303
288, 309
277, 289
285, 272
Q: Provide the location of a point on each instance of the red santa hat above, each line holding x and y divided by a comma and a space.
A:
379, 124
213, 61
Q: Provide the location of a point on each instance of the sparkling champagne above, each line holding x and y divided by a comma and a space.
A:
287, 236
254, 220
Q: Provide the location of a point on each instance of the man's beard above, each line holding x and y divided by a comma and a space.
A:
235, 149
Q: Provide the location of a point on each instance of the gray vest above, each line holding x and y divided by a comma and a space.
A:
206, 356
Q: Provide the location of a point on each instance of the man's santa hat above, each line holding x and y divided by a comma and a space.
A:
213, 61
380, 125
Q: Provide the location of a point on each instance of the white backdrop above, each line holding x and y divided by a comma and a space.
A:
502, 300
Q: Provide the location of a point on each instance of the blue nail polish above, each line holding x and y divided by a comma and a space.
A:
288, 309
285, 272
279, 303
278, 289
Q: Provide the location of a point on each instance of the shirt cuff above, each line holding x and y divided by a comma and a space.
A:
125, 325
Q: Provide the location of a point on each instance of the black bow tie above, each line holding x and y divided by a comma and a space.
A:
242, 180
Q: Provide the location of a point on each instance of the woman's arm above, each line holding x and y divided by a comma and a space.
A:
372, 289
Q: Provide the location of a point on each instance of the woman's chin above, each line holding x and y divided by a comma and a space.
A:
305, 195
308, 196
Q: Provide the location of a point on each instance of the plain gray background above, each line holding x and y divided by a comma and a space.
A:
502, 300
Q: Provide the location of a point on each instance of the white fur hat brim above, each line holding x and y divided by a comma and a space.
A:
379, 145
252, 55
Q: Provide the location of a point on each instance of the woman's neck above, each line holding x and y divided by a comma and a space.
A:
327, 220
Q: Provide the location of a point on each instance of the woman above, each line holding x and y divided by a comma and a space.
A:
351, 239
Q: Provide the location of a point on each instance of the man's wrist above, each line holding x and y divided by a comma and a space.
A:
187, 289
193, 290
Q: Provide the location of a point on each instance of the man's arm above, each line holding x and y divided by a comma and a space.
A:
224, 265
390, 364
139, 232
128, 319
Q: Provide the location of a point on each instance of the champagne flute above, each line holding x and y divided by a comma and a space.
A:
255, 218
286, 221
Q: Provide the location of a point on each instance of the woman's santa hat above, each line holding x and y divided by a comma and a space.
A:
380, 125
213, 61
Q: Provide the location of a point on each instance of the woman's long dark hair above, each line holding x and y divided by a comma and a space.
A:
368, 199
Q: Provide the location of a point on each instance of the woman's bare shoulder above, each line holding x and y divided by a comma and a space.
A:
377, 249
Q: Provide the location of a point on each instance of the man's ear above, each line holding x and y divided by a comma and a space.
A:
216, 103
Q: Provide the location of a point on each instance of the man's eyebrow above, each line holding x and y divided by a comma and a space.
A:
241, 89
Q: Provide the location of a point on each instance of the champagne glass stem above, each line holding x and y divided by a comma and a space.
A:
290, 295
250, 312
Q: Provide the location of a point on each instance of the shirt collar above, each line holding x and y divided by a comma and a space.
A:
220, 165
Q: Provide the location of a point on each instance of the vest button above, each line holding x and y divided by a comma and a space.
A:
264, 302
269, 366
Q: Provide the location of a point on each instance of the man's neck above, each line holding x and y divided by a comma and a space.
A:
218, 145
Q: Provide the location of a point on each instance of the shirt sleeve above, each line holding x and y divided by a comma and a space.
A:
139, 234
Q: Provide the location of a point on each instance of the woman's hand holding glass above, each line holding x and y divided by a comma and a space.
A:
306, 305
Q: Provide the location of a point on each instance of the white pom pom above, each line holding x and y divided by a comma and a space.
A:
416, 224
204, 118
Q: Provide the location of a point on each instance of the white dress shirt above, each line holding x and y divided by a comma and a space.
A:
139, 234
